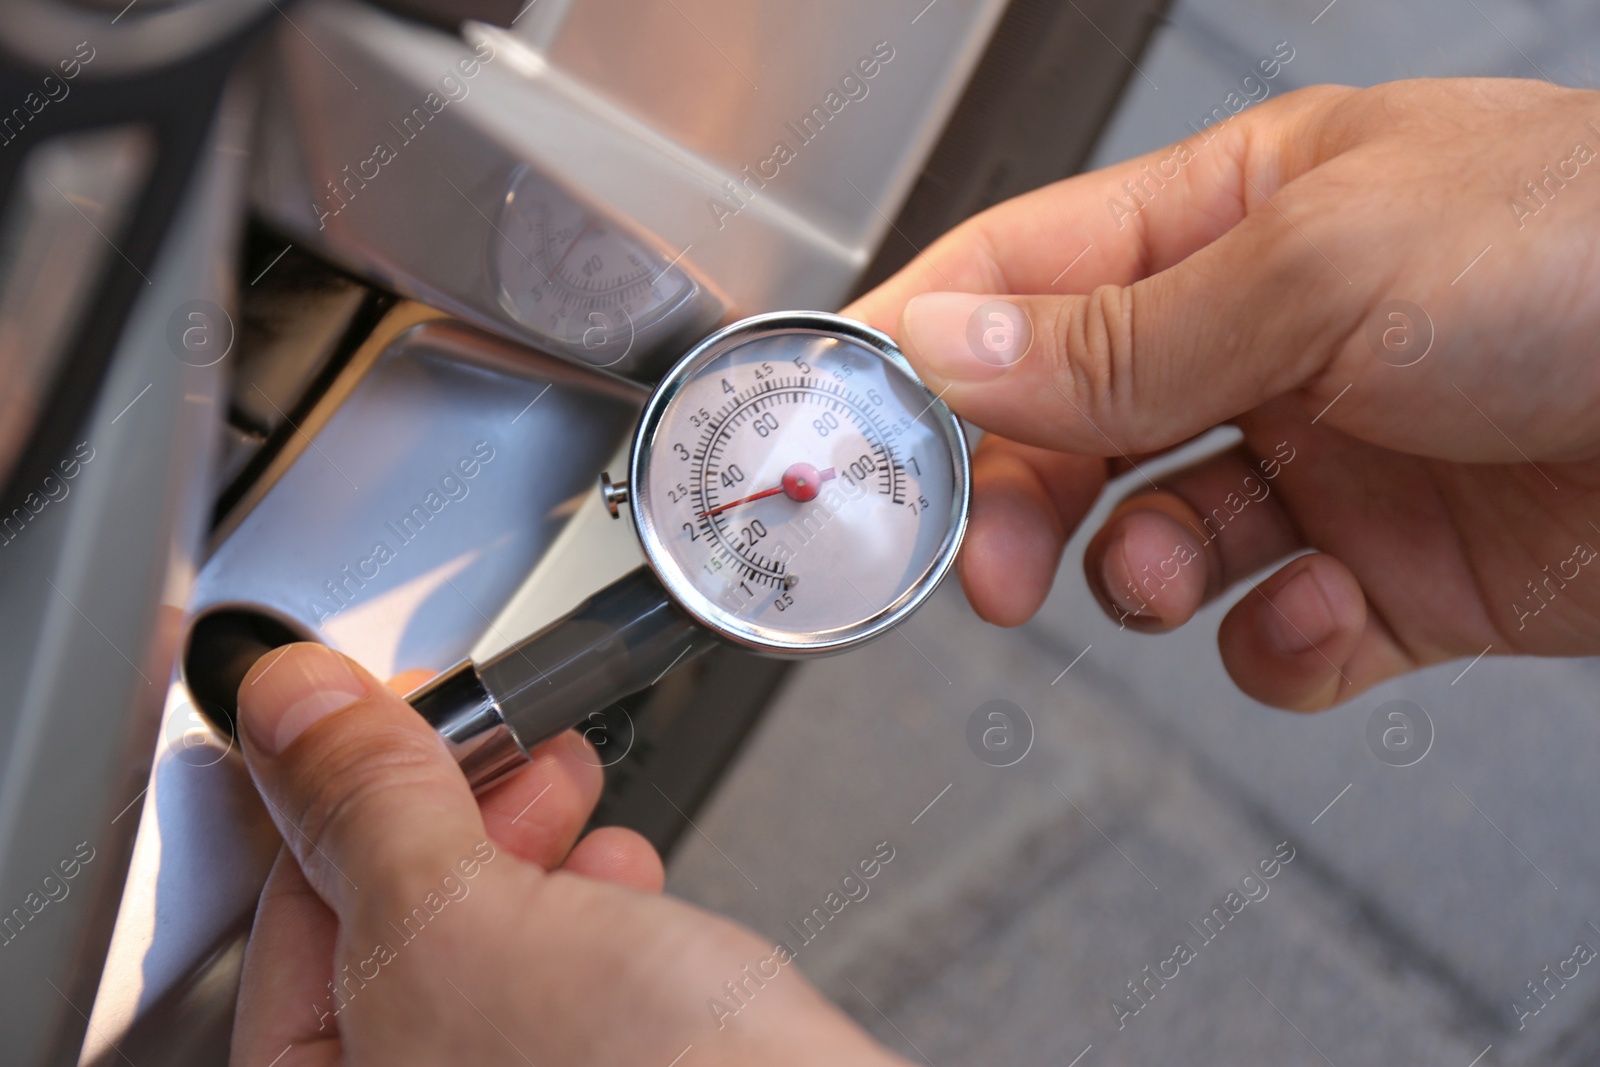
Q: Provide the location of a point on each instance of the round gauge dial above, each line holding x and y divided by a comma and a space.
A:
795, 486
577, 279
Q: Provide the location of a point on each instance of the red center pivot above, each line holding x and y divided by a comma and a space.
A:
802, 482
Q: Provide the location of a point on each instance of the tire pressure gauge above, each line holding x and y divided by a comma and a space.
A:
796, 489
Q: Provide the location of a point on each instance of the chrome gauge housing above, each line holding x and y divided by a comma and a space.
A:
796, 487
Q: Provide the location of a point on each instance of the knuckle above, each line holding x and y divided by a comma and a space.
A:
1093, 350
354, 780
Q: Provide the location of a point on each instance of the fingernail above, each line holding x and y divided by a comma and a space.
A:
1300, 618
1116, 577
293, 689
964, 337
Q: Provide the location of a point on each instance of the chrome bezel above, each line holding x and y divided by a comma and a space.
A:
709, 614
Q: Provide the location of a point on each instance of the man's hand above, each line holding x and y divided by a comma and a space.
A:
408, 923
1449, 492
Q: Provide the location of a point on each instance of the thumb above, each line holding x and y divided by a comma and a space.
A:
363, 790
1134, 368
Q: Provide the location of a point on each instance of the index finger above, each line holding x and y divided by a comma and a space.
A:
1116, 225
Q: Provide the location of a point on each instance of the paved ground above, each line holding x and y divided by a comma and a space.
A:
1418, 900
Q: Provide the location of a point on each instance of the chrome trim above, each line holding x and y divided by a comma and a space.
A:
470, 720
45, 32
708, 614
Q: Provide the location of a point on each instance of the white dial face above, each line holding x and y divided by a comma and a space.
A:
802, 485
575, 278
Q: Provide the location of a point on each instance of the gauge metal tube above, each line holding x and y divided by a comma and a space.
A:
618, 642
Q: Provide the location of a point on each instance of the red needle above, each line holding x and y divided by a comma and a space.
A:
801, 482
571, 245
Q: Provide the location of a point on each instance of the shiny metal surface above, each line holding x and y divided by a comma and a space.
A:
402, 418
623, 639
203, 849
618, 642
414, 401
422, 488
767, 198
47, 31
457, 704
727, 83
94, 589
347, 180
71, 201
592, 552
